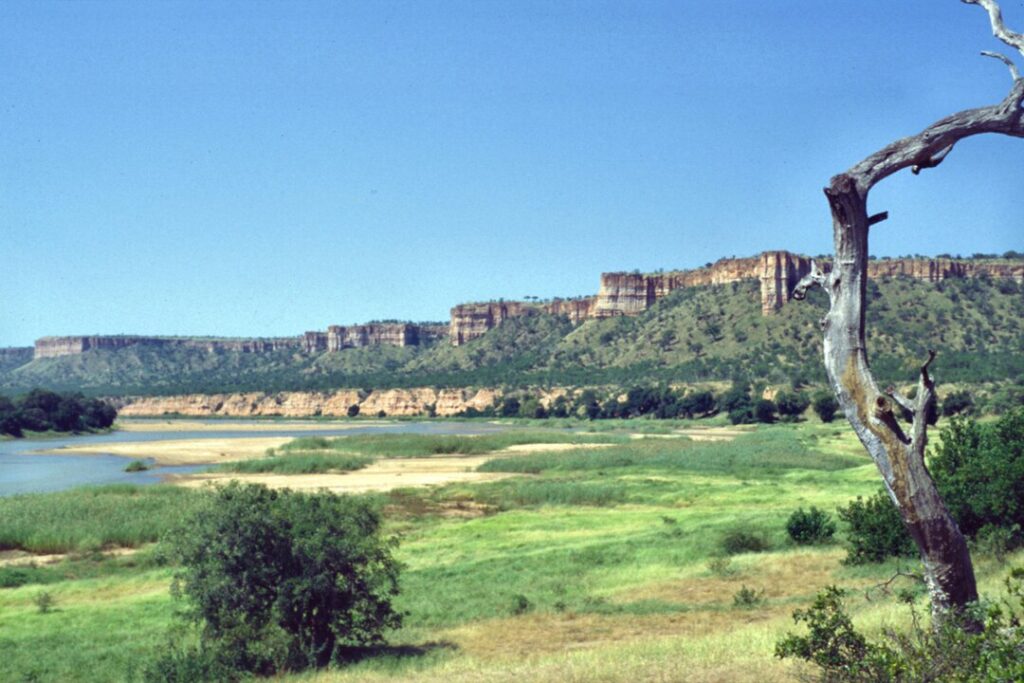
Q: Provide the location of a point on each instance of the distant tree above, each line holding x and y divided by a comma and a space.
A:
792, 405
957, 402
825, 406
510, 407
353, 410
764, 410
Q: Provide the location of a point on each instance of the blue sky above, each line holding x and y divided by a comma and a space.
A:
259, 168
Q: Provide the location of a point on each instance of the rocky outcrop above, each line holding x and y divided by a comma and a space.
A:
14, 356
393, 402
938, 269
336, 338
469, 321
777, 272
52, 347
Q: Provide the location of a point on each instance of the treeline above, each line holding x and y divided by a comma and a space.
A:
660, 402
742, 403
43, 411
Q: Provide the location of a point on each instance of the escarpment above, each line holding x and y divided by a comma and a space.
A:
619, 294
336, 338
390, 402
777, 272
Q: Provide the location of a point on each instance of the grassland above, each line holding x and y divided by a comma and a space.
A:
602, 564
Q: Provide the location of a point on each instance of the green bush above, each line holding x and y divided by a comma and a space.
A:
979, 470
989, 650
825, 406
736, 542
808, 527
875, 530
281, 580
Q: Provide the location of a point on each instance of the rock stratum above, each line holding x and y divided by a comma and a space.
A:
390, 402
777, 272
619, 294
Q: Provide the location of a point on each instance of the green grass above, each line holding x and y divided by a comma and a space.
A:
90, 518
770, 450
419, 445
612, 551
300, 462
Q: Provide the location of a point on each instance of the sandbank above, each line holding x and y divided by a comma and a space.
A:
183, 451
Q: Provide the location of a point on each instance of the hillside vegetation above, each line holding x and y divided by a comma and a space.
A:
695, 334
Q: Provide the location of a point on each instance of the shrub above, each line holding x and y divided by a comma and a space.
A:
136, 466
736, 542
747, 598
353, 410
825, 406
979, 470
810, 527
764, 411
282, 580
957, 403
792, 405
876, 530
44, 602
945, 651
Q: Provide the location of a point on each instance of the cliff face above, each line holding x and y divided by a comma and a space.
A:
777, 271
336, 338
52, 347
393, 402
936, 270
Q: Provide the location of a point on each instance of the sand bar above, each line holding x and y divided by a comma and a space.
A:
182, 451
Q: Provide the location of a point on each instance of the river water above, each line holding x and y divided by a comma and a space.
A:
24, 470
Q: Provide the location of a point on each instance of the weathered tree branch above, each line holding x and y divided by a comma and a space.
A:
999, 30
1005, 60
900, 457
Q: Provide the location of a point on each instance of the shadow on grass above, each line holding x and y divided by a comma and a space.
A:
352, 655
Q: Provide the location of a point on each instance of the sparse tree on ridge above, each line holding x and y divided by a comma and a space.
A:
872, 411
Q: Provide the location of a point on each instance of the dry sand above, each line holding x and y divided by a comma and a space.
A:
383, 475
183, 451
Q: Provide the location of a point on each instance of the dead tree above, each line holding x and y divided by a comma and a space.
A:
872, 412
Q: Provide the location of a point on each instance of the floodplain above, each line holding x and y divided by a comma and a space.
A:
634, 552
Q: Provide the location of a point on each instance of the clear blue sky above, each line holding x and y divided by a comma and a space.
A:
258, 168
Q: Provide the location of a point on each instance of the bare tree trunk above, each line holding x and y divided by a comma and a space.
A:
899, 454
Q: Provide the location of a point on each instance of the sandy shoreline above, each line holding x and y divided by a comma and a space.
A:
182, 451
384, 474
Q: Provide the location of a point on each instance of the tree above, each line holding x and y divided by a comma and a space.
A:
353, 410
825, 406
283, 580
871, 411
792, 405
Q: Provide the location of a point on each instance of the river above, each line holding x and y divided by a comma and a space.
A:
23, 469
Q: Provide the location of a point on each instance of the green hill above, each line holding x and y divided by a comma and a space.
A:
695, 334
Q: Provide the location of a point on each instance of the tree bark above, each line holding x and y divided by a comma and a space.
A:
900, 455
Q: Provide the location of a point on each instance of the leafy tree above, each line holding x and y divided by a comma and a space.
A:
825, 406
281, 580
980, 471
957, 402
792, 405
875, 530
510, 407
764, 410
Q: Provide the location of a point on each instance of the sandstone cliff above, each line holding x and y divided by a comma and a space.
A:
51, 347
777, 271
393, 402
336, 338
